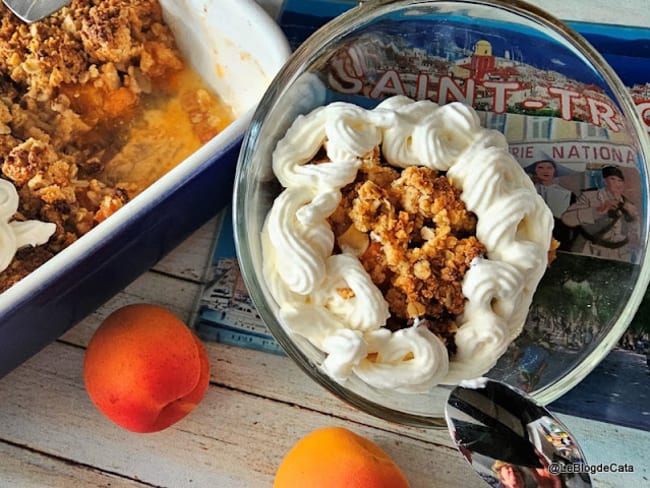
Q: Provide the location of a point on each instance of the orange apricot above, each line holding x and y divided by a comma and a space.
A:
145, 369
337, 457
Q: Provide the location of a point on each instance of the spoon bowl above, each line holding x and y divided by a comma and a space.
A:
506, 436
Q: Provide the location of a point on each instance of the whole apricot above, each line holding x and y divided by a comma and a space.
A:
337, 457
145, 369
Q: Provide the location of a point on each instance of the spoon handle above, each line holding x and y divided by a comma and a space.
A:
34, 10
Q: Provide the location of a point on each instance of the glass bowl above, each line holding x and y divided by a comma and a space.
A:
560, 107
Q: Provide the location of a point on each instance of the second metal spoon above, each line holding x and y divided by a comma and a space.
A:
511, 441
34, 10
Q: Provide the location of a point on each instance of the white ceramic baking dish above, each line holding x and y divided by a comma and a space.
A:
237, 48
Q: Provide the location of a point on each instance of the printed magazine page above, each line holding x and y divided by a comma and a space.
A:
565, 132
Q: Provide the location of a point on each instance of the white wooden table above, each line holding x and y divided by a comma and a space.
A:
257, 406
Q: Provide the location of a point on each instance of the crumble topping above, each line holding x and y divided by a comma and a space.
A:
414, 236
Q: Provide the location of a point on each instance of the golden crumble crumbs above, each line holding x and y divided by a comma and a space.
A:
414, 236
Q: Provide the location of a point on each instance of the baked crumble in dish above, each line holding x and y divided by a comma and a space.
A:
96, 103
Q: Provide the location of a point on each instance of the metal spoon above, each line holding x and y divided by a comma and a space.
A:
507, 437
33, 10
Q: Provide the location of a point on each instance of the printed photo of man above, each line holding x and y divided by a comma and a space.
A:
607, 222
543, 172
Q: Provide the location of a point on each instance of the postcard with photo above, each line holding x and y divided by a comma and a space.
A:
566, 133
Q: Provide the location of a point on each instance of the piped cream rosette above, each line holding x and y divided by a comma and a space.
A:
303, 275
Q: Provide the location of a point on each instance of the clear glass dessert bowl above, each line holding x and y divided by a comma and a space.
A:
568, 122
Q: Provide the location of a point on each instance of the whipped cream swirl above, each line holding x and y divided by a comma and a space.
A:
17, 234
305, 278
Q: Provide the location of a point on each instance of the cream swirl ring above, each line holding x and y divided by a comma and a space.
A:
351, 133
7, 245
287, 158
345, 349
478, 361
488, 280
335, 305
327, 176
428, 363
496, 280
8, 200
445, 134
481, 340
319, 208
497, 225
367, 309
290, 162
397, 146
313, 215
274, 282
313, 323
291, 244
485, 168
435, 139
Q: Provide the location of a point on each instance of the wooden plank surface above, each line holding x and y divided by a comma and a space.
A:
25, 468
234, 438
